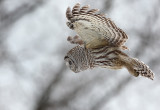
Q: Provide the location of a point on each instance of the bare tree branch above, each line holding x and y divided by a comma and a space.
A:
114, 92
78, 90
8, 19
26, 8
42, 101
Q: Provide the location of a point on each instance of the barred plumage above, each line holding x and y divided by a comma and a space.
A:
80, 59
100, 43
94, 29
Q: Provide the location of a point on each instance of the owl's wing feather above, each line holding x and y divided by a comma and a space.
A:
94, 28
136, 67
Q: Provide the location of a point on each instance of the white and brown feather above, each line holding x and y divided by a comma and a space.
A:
103, 42
94, 28
106, 57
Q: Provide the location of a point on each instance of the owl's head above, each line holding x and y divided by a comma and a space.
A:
76, 59
71, 64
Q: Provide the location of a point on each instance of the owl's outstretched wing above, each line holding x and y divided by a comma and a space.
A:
94, 29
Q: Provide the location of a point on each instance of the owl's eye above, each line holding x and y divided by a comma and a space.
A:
70, 63
66, 57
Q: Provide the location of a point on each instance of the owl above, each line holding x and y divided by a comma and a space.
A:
100, 44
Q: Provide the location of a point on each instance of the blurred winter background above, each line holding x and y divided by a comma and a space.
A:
33, 44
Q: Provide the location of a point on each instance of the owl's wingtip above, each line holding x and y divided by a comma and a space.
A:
150, 76
68, 13
77, 3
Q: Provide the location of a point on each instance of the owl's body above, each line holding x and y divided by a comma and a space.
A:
80, 59
101, 43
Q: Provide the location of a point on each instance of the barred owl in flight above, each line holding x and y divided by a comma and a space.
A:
100, 43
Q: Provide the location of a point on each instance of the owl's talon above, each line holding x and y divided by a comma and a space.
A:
76, 37
69, 38
80, 42
70, 25
75, 40
72, 42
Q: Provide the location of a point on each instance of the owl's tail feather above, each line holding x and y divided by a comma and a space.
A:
136, 68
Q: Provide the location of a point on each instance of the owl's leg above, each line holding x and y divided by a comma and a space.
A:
75, 40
